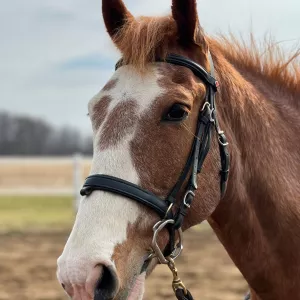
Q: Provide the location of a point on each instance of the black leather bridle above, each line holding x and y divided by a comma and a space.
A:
207, 121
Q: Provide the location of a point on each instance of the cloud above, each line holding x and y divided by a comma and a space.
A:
55, 55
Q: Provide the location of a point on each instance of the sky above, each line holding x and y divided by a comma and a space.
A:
55, 55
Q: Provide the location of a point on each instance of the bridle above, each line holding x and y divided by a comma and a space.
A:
207, 120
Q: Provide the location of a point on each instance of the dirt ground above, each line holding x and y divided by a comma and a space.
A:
28, 264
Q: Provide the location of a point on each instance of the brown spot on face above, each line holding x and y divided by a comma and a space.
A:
110, 85
100, 111
120, 123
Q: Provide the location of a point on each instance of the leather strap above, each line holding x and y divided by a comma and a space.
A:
224, 154
202, 145
198, 70
181, 296
127, 189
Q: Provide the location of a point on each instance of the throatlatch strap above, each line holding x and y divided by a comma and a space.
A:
225, 161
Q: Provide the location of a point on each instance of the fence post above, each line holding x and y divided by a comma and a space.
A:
77, 179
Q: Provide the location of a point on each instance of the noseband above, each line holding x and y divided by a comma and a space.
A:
173, 220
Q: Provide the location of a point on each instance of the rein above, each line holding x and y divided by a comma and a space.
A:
172, 221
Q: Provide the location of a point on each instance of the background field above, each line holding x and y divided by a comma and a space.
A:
46, 175
34, 230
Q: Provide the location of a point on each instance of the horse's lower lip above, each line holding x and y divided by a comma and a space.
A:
137, 290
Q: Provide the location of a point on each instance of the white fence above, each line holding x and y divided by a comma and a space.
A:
43, 175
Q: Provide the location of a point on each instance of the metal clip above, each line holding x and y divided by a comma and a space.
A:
177, 282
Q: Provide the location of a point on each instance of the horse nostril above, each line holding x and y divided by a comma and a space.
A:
63, 286
107, 285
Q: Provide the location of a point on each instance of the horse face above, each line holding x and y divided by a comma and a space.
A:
143, 124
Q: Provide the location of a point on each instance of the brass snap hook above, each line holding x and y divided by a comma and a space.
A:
177, 282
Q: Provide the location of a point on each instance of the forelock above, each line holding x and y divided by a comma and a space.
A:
141, 40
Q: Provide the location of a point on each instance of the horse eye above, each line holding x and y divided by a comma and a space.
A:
176, 113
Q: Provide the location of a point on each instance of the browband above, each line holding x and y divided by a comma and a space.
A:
179, 60
197, 69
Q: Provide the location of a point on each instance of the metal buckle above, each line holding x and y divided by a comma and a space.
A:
206, 104
157, 228
219, 139
221, 143
211, 111
185, 196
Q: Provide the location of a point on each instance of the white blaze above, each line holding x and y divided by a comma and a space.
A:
103, 218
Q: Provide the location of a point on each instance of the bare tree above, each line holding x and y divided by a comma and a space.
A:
20, 135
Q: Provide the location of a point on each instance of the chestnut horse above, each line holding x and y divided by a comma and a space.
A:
257, 219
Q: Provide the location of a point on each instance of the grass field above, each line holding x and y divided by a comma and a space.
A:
33, 212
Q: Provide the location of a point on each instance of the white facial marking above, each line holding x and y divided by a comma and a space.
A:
103, 218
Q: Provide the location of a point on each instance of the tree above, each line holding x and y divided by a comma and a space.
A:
22, 135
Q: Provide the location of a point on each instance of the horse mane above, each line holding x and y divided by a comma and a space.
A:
142, 39
266, 59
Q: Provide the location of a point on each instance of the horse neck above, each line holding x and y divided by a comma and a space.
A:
258, 221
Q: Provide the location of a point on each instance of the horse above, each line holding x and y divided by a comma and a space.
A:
189, 128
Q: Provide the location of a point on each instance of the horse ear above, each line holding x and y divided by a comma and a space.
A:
188, 26
115, 15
